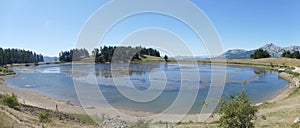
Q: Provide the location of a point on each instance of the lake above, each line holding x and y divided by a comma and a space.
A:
164, 81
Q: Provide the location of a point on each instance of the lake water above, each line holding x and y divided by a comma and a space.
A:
164, 79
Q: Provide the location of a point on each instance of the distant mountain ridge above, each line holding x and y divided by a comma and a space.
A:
274, 51
50, 59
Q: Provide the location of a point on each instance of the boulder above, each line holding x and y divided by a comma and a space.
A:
114, 123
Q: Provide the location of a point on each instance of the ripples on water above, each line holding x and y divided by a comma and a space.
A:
56, 81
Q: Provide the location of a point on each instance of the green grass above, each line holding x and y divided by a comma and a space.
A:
10, 101
289, 70
295, 92
90, 59
152, 58
83, 117
44, 117
6, 71
144, 58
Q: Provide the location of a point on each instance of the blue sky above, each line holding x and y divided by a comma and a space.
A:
50, 26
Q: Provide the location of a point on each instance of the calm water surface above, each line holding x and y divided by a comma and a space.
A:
57, 81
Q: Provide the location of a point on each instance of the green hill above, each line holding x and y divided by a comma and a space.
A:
144, 58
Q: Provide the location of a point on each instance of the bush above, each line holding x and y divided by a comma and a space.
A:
6, 71
237, 112
289, 70
10, 100
264, 117
295, 125
142, 124
44, 117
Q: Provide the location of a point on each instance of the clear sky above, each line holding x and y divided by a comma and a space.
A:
50, 26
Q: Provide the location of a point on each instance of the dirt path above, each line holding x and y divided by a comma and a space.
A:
297, 69
33, 98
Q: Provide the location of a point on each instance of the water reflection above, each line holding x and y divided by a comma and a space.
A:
57, 81
259, 71
110, 71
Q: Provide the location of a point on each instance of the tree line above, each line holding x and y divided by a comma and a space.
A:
260, 53
122, 54
10, 56
289, 54
118, 54
73, 55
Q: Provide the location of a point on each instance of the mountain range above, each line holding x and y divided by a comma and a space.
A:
50, 59
273, 50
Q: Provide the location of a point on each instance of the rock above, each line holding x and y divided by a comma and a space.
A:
297, 120
114, 122
273, 50
295, 82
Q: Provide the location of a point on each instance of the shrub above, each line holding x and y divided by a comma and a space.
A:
6, 71
237, 112
264, 117
44, 117
10, 100
295, 125
142, 124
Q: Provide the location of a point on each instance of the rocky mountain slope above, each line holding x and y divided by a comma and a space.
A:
274, 51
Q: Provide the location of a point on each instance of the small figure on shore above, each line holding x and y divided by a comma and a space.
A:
166, 58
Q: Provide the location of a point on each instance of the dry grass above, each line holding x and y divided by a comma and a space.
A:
7, 122
262, 62
17, 119
279, 113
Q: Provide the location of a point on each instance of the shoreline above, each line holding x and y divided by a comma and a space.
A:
282, 93
33, 98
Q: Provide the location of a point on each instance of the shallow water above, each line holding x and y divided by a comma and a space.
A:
162, 81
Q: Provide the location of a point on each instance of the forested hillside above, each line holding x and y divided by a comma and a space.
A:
73, 55
10, 56
109, 54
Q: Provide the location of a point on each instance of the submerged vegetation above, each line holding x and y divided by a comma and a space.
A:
234, 112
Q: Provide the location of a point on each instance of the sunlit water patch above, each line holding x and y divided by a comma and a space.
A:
57, 81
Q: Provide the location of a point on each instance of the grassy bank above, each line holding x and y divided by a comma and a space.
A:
29, 116
144, 59
273, 62
7, 122
6, 71
276, 113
